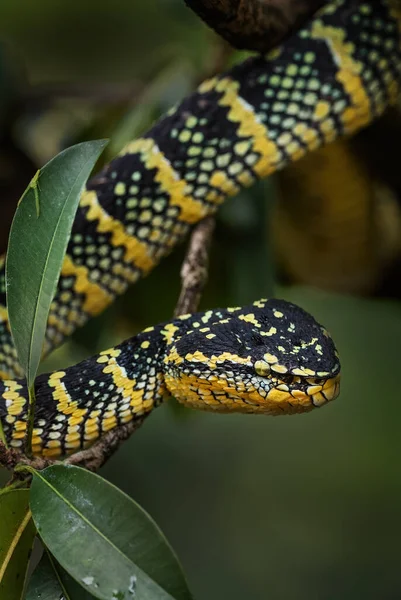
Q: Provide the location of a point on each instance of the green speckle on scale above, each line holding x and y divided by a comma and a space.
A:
120, 188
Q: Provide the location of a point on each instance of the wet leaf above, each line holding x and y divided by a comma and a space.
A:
103, 539
51, 582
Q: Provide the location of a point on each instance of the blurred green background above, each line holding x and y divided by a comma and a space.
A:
257, 508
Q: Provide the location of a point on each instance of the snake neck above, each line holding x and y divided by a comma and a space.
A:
76, 406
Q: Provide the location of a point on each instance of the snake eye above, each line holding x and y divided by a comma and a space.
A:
262, 368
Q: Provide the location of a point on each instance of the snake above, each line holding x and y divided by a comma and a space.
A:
337, 73
335, 226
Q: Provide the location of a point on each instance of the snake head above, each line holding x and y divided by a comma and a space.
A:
268, 357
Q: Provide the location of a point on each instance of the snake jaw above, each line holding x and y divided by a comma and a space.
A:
330, 391
258, 395
289, 398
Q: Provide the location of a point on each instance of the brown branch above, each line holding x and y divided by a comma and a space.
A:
194, 270
254, 24
96, 456
9, 458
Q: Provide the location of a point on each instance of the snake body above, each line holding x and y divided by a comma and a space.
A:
335, 226
270, 357
332, 77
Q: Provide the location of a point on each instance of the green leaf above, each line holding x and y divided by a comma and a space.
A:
38, 243
103, 539
17, 533
51, 582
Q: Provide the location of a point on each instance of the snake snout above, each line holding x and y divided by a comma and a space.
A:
329, 391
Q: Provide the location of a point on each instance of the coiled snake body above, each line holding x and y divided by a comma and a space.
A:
332, 77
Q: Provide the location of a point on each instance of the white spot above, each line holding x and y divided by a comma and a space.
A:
88, 580
132, 585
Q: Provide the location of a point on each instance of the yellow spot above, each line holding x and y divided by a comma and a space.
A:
197, 357
120, 188
145, 344
260, 303
313, 389
91, 426
303, 372
51, 452
169, 331
184, 317
242, 148
322, 109
262, 368
109, 423
250, 318
279, 368
270, 358
272, 331
12, 394
112, 352
137, 398
220, 180
234, 358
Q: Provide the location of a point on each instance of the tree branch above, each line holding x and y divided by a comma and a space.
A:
254, 24
194, 270
91, 458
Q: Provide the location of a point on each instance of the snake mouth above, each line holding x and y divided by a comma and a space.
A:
329, 391
301, 397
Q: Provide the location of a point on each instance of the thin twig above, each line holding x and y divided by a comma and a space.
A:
194, 270
95, 457
9, 457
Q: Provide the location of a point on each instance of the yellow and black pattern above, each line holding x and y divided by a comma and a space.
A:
270, 357
335, 226
331, 78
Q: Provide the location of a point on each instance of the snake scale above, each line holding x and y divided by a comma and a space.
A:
330, 78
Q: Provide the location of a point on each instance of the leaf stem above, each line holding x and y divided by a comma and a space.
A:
56, 573
2, 435
14, 543
30, 422
18, 484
